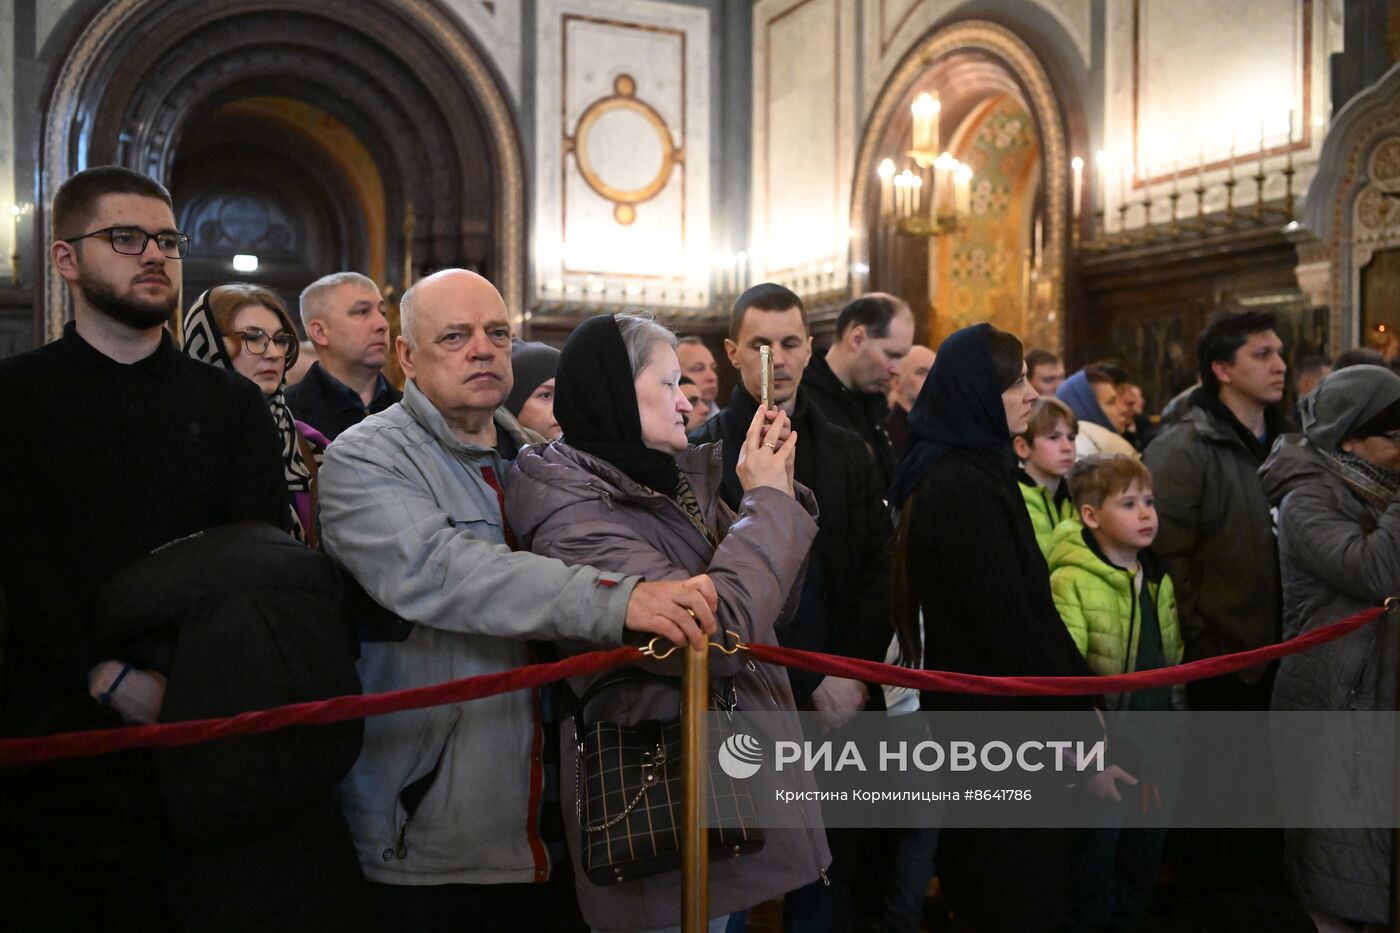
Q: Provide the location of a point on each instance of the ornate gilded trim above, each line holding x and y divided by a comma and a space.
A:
623, 99
61, 154
1011, 51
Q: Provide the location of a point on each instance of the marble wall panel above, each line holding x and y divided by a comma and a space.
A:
1188, 81
8, 190
804, 102
893, 27
622, 138
496, 26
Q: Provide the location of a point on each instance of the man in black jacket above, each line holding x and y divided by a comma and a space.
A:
851, 381
844, 605
343, 314
116, 443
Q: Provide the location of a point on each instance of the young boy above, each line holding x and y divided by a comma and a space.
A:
1120, 608
1046, 452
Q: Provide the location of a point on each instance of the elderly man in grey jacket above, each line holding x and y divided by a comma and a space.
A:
444, 802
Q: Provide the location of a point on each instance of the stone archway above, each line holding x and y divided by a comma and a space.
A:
1352, 212
1005, 62
400, 75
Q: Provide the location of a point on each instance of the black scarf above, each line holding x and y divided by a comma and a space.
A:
959, 407
595, 402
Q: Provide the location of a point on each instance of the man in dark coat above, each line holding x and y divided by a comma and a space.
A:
1218, 539
1217, 533
850, 382
844, 607
116, 443
343, 314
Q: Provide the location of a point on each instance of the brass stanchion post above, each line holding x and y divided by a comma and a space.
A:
695, 840
1392, 620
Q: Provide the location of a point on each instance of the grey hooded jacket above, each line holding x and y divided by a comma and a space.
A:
1339, 555
1217, 537
568, 504
443, 795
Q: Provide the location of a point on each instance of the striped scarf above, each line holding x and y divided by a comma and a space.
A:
1374, 484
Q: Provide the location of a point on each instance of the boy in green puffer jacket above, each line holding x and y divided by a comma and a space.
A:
1120, 608
1046, 452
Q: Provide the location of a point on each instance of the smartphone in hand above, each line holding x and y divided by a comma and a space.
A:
765, 369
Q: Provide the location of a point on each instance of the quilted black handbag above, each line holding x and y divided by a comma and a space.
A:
629, 796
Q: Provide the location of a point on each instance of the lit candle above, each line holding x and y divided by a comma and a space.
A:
886, 173
1290, 126
1232, 153
1176, 171
945, 169
1261, 147
1078, 188
925, 110
963, 198
918, 194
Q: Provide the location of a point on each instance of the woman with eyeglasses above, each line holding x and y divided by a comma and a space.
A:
246, 328
1337, 488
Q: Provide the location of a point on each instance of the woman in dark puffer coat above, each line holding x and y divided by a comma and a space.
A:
623, 491
1337, 486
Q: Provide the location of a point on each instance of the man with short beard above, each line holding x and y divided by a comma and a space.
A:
115, 444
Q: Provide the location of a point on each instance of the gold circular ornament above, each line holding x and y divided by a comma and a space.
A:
623, 102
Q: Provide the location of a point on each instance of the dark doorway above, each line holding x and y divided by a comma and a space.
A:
316, 135
249, 182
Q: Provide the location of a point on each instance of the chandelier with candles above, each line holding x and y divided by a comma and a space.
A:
933, 193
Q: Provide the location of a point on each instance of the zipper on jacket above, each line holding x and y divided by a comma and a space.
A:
1130, 656
410, 798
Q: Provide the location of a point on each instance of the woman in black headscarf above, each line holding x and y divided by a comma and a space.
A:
966, 556
623, 490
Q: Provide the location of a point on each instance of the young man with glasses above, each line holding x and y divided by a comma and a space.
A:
115, 444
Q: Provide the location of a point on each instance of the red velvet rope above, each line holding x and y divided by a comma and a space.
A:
322, 712
952, 682
318, 712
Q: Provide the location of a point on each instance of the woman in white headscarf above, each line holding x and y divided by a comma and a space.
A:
1337, 486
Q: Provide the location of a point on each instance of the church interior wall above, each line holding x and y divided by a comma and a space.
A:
754, 113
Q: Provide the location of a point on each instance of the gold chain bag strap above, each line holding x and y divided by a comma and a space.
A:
629, 794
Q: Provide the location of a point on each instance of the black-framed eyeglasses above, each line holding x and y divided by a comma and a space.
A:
256, 341
131, 241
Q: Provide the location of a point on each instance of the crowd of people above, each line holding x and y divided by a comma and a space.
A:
194, 526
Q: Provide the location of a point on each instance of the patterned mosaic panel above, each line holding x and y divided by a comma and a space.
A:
981, 274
